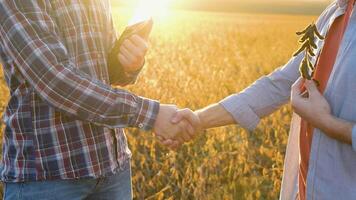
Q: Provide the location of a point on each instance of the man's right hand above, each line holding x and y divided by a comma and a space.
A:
165, 130
212, 116
188, 121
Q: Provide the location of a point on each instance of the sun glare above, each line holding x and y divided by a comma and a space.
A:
151, 8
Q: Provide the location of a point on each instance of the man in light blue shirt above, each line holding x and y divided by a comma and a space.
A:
332, 164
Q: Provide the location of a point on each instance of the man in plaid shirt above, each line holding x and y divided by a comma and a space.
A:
64, 135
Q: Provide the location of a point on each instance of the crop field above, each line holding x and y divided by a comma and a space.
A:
195, 59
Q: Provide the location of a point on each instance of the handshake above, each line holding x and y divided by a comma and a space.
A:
174, 127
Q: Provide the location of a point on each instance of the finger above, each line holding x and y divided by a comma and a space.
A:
312, 88
184, 134
183, 114
134, 50
123, 60
186, 137
178, 133
139, 42
296, 88
188, 115
167, 143
190, 130
129, 56
178, 117
180, 139
183, 137
175, 145
297, 99
160, 138
298, 84
172, 144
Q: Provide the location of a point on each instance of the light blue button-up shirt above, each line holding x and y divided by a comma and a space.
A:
332, 165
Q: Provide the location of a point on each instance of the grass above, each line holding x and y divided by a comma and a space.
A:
198, 58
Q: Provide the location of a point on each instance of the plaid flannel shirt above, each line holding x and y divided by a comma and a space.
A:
63, 120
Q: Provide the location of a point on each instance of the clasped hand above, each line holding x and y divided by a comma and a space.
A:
174, 127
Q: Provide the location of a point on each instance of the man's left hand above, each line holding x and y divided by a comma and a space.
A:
132, 53
314, 108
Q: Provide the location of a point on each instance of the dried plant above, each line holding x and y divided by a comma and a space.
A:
307, 40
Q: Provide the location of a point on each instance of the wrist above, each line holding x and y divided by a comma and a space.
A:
203, 119
215, 116
337, 128
326, 123
147, 113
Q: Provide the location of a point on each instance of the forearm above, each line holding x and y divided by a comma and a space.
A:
215, 116
337, 128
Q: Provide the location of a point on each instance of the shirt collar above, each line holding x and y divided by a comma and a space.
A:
342, 3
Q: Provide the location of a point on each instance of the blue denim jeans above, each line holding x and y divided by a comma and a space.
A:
111, 188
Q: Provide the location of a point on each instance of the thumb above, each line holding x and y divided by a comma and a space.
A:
297, 88
191, 117
177, 118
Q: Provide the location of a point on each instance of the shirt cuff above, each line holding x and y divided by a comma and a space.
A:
354, 138
146, 114
241, 112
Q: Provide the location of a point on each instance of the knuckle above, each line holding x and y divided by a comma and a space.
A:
122, 48
186, 111
127, 43
145, 46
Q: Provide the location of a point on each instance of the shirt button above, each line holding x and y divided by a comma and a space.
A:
140, 125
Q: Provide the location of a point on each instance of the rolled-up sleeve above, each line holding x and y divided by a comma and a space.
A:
28, 36
264, 96
268, 93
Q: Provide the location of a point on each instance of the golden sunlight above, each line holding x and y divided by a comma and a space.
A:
146, 9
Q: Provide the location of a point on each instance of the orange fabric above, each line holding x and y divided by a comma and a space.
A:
324, 67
